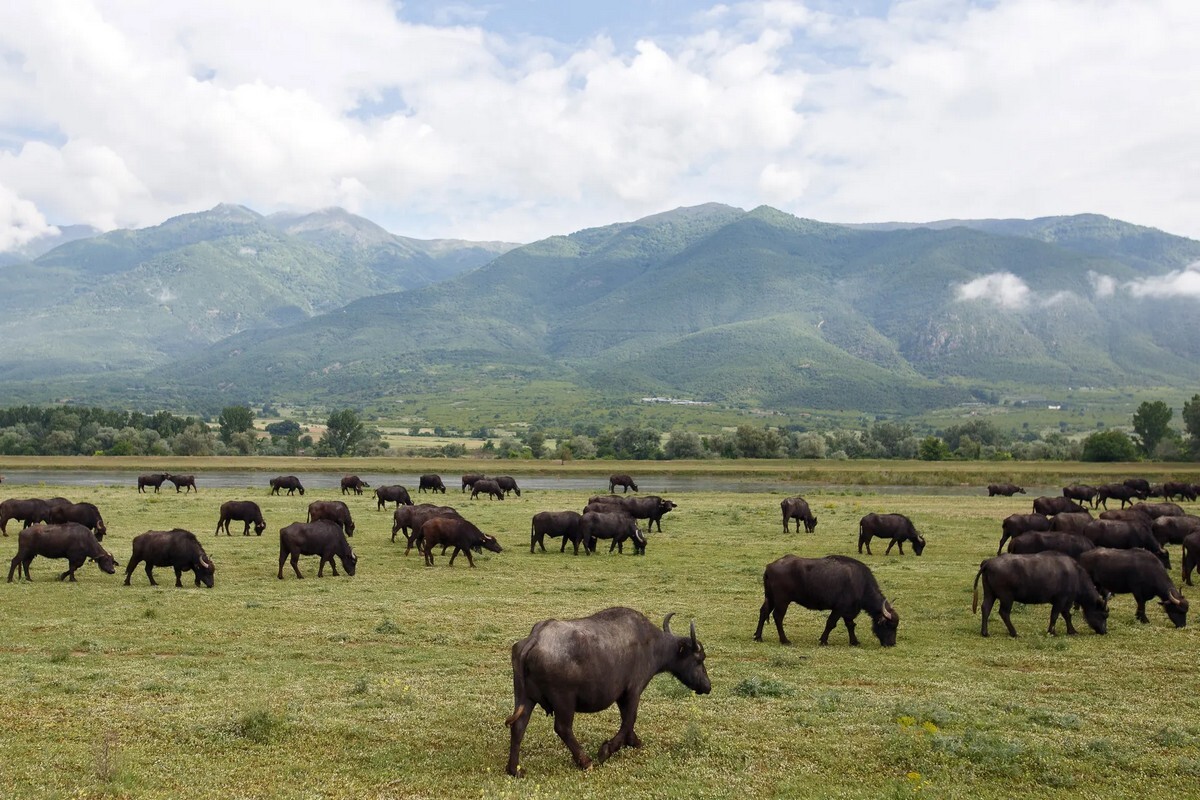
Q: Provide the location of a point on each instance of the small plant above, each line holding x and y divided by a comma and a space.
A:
60, 654
388, 627
760, 687
260, 726
360, 686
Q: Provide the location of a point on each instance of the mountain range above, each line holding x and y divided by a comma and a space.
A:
756, 309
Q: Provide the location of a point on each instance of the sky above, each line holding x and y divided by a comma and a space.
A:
514, 120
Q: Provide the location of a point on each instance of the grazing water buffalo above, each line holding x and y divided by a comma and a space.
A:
896, 527
1128, 515
289, 482
651, 507
353, 483
1070, 523
1173, 530
1140, 486
1156, 510
469, 479
176, 548
413, 517
29, 512
508, 484
1056, 505
488, 487
245, 511
1191, 555
586, 665
1177, 489
322, 538
797, 508
1082, 493
624, 481
1071, 544
85, 514
182, 481
335, 511
1118, 491
458, 533
554, 524
71, 541
839, 584
615, 525
1046, 577
1017, 524
1138, 573
154, 479
1005, 489
392, 494
1124, 536
431, 483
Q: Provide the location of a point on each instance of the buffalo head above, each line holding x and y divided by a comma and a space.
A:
1176, 606
687, 663
885, 623
349, 562
918, 544
106, 562
204, 570
490, 543
259, 527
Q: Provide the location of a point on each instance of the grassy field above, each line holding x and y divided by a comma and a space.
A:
395, 683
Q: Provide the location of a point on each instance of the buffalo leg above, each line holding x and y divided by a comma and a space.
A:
333, 566
625, 737
986, 612
178, 578
780, 610
849, 620
1189, 563
296, 564
518, 721
470, 560
1003, 539
130, 567
763, 613
454, 555
282, 558
564, 719
1141, 609
72, 565
150, 573
891, 544
830, 624
1006, 616
25, 567
14, 566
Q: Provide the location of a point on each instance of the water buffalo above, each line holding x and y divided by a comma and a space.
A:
181, 481
554, 524
1056, 505
1140, 486
896, 527
1126, 535
176, 548
1072, 544
1017, 524
1046, 577
586, 665
1173, 530
615, 525
1138, 573
29, 512
839, 584
488, 487
154, 479
1005, 489
245, 511
405, 518
85, 514
469, 479
1179, 489
1081, 493
322, 538
1070, 523
1131, 514
1156, 510
353, 483
289, 482
651, 507
1191, 555
624, 481
458, 533
392, 494
70, 540
797, 508
335, 511
431, 483
1118, 491
507, 484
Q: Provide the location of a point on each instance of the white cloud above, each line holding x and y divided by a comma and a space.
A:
1178, 283
1000, 288
20, 221
123, 112
1102, 285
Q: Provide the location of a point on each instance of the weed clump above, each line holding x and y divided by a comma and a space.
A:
260, 726
760, 687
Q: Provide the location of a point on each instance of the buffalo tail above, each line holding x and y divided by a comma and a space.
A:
975, 595
509, 720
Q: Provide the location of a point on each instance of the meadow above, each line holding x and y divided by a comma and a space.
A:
395, 683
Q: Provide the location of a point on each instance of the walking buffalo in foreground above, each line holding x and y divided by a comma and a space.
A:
1047, 577
458, 533
842, 585
1004, 489
322, 538
797, 508
896, 527
86, 514
71, 541
1138, 573
586, 665
176, 548
553, 524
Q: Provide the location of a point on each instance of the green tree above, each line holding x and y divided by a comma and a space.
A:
1152, 422
284, 429
681, 444
1111, 445
235, 419
933, 448
1191, 421
343, 433
536, 442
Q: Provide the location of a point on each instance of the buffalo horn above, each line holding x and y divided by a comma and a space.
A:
694, 633
667, 622
1175, 598
887, 610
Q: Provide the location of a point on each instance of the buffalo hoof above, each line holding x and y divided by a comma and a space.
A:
516, 773
584, 763
606, 750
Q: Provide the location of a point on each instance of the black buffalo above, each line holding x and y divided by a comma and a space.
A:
1173, 530
1070, 523
409, 519
1125, 535
431, 483
624, 481
1156, 510
458, 533
1046, 577
615, 525
322, 538
1179, 489
488, 487
335, 511
555, 524
28, 512
469, 479
1005, 489
245, 511
1072, 544
154, 479
586, 665
182, 481
1118, 491
1017, 524
651, 507
896, 527
353, 483
1056, 505
1082, 493
71, 541
176, 548
392, 494
1140, 486
839, 584
1191, 555
797, 508
1138, 573
289, 482
508, 484
85, 514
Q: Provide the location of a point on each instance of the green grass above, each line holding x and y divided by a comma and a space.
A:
395, 683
